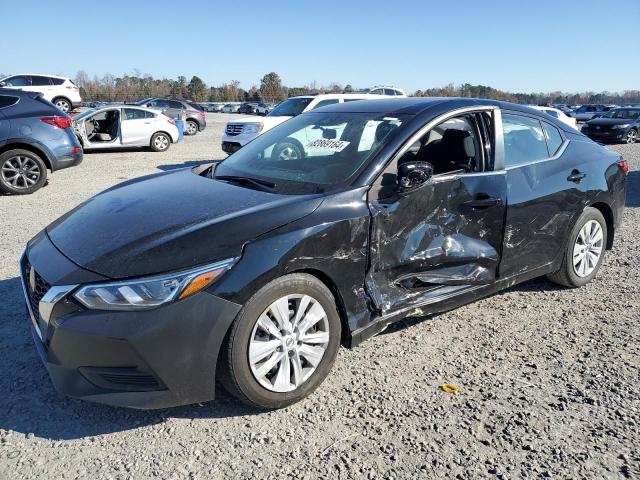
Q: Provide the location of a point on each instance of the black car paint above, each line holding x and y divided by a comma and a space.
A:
382, 254
601, 128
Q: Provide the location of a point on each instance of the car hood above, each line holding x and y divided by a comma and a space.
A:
611, 121
268, 122
170, 221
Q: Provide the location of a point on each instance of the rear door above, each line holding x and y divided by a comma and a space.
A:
546, 185
136, 127
447, 234
42, 84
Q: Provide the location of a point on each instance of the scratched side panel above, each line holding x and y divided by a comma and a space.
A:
429, 242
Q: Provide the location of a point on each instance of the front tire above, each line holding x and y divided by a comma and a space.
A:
63, 104
21, 172
283, 343
160, 142
584, 252
631, 137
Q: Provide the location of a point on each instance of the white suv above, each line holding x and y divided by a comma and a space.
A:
60, 91
239, 132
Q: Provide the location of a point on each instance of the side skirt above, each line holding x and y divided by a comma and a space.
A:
445, 302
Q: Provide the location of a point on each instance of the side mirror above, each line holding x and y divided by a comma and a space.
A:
414, 174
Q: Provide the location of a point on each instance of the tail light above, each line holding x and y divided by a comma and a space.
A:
624, 166
74, 88
76, 150
201, 114
59, 122
171, 121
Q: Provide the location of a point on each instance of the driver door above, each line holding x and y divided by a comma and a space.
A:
444, 235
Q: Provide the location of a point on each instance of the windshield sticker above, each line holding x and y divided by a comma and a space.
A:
331, 145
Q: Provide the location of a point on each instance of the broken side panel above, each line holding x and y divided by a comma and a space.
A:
447, 233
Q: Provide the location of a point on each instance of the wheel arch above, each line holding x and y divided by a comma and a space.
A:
30, 147
607, 213
345, 332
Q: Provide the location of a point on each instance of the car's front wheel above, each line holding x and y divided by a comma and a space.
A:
585, 250
191, 128
632, 136
160, 142
21, 172
283, 343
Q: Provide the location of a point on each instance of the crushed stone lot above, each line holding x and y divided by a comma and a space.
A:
549, 377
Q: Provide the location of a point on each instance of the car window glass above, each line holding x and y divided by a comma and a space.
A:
17, 81
149, 115
324, 103
553, 113
174, 104
554, 139
7, 101
524, 140
38, 81
452, 146
57, 81
388, 91
133, 114
591, 109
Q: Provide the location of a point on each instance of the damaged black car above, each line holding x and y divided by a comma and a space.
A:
319, 233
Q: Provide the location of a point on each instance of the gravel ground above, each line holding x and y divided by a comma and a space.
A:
548, 378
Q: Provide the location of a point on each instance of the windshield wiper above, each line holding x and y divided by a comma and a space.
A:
263, 185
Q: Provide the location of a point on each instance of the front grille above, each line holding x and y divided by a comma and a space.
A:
234, 129
37, 287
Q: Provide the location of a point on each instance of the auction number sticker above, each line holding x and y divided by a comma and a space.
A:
331, 145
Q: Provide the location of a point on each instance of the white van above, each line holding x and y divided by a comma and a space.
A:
239, 132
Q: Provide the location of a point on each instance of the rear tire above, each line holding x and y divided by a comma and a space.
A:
579, 263
275, 367
191, 127
63, 104
632, 136
160, 142
21, 172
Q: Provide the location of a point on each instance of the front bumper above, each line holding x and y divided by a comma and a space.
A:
146, 359
610, 135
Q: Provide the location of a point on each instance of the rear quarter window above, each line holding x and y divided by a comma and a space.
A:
58, 81
7, 101
554, 139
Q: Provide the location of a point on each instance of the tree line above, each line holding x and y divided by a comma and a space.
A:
136, 86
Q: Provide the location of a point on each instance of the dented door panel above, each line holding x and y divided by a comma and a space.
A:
433, 237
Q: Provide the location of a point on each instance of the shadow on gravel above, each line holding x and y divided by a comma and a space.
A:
29, 404
190, 163
633, 190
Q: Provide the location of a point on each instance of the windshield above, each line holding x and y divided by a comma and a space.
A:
314, 152
623, 114
85, 114
290, 108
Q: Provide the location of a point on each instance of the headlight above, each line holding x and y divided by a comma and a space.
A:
150, 292
621, 126
252, 127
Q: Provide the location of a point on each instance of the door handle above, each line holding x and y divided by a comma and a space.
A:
482, 202
576, 176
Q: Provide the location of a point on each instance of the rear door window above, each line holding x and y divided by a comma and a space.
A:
134, 114
39, 81
524, 139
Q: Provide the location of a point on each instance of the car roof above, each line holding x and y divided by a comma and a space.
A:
37, 75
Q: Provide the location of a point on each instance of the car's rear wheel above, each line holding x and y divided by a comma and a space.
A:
585, 250
632, 136
160, 142
192, 127
21, 172
283, 343
63, 104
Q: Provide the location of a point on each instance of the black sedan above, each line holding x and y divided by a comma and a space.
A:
619, 125
247, 108
254, 270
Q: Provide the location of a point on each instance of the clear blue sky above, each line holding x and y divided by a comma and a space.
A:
524, 46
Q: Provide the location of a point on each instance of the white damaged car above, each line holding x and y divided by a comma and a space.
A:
117, 126
240, 132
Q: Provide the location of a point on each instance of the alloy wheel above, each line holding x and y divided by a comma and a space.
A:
587, 248
632, 136
63, 105
288, 342
191, 128
20, 172
289, 153
161, 142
